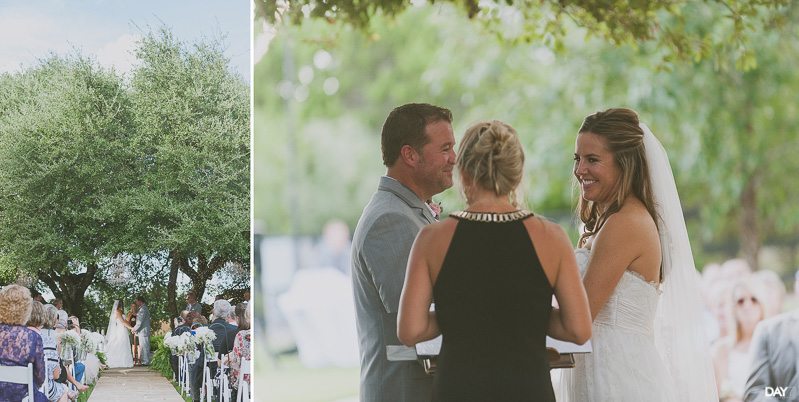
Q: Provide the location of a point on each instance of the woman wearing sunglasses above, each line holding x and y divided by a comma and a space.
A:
746, 307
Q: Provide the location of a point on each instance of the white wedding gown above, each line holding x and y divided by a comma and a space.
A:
117, 347
625, 364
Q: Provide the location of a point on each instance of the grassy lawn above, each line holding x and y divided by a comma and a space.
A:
287, 380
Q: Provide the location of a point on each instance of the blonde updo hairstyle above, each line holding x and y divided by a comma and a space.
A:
491, 156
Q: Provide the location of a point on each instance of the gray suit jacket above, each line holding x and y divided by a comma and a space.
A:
775, 359
380, 249
142, 326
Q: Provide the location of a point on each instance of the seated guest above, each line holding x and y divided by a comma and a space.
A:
185, 325
223, 344
241, 346
74, 325
19, 345
732, 360
42, 320
225, 331
61, 324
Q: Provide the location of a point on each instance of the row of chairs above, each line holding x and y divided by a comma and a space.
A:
207, 388
24, 375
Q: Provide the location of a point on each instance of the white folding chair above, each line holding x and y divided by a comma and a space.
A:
244, 387
207, 388
224, 384
19, 375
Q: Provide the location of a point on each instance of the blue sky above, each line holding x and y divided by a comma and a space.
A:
108, 29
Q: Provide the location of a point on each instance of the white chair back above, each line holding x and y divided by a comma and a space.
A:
224, 386
19, 375
244, 387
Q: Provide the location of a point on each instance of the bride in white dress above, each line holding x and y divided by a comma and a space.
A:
117, 347
638, 272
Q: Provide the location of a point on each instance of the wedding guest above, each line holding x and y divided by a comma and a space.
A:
418, 151
334, 247
41, 320
38, 297
186, 318
774, 357
19, 345
223, 343
241, 347
642, 285
747, 307
192, 304
62, 315
198, 321
494, 340
80, 367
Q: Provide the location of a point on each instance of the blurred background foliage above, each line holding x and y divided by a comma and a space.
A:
325, 82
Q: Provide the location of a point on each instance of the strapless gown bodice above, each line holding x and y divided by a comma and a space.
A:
633, 304
625, 364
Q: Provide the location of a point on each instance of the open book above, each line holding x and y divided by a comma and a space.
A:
433, 347
561, 353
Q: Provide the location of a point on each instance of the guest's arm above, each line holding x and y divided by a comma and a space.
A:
416, 323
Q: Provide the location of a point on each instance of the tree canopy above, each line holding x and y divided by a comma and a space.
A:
680, 30
111, 185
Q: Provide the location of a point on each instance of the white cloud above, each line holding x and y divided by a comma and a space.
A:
119, 53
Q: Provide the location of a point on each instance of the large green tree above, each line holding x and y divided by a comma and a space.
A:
64, 154
192, 120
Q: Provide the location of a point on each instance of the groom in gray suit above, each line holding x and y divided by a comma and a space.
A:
142, 330
774, 374
418, 150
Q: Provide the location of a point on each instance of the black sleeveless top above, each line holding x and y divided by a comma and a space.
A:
492, 302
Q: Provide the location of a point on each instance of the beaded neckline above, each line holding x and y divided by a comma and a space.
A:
493, 217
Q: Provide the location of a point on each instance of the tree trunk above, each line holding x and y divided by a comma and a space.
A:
749, 223
172, 287
69, 287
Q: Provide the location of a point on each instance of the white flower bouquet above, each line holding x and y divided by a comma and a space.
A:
91, 342
173, 343
69, 342
206, 337
187, 346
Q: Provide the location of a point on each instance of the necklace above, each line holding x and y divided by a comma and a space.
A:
492, 216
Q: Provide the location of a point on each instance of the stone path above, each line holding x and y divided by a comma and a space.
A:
133, 384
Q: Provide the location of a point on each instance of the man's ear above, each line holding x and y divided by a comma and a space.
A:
409, 155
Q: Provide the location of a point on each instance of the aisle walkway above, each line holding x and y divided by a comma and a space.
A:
133, 384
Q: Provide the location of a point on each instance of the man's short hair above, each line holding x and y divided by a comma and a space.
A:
405, 125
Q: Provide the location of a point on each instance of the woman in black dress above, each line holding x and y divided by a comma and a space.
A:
492, 270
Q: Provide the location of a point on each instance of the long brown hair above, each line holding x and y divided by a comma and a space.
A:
625, 139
